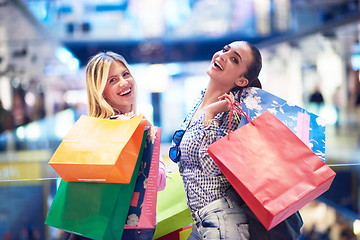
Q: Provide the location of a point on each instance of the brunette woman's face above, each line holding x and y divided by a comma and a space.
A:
229, 65
119, 91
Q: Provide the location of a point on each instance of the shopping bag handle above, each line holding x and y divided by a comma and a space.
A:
236, 106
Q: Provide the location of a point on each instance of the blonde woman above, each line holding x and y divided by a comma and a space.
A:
111, 91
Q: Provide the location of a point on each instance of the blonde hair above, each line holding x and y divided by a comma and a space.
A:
97, 71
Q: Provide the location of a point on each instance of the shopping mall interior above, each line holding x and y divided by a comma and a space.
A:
306, 46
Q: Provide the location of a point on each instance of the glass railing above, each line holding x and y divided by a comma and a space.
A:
28, 183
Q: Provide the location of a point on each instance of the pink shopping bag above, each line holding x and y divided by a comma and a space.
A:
142, 212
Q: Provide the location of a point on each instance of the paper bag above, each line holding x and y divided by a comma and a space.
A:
309, 127
172, 211
272, 170
142, 212
179, 234
93, 210
99, 150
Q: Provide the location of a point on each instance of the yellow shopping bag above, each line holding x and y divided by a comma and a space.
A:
99, 150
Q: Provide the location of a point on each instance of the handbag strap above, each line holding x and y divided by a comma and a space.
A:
236, 106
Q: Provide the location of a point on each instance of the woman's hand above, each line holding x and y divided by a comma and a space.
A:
222, 105
147, 123
129, 115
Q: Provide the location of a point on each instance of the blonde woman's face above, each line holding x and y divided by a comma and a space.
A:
119, 91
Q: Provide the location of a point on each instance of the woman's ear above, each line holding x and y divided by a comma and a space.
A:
242, 82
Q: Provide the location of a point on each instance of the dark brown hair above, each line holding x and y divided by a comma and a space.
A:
253, 69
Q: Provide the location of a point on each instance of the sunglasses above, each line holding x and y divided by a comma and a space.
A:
174, 151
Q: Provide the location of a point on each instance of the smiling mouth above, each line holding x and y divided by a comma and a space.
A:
217, 66
127, 92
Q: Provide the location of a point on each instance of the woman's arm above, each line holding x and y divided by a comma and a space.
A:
211, 133
213, 130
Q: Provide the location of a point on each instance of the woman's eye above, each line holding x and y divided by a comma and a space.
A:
224, 49
112, 80
126, 74
235, 60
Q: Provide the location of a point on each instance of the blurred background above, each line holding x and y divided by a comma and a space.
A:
308, 46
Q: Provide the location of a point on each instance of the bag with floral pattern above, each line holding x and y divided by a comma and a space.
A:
142, 211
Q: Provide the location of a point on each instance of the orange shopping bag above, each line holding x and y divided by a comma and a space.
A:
99, 150
272, 170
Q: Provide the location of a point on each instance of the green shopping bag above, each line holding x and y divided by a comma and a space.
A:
93, 210
172, 210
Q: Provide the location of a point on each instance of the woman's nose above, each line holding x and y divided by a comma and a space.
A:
222, 56
122, 82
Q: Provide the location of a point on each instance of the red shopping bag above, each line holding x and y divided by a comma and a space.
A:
179, 234
272, 170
